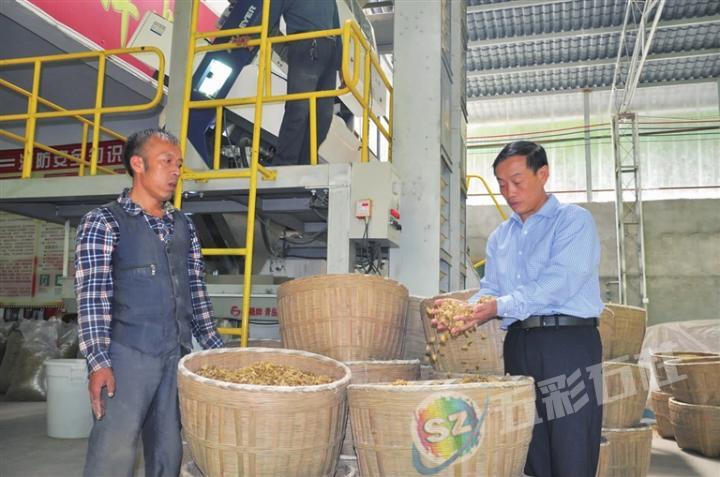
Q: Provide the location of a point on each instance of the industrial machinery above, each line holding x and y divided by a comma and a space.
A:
233, 73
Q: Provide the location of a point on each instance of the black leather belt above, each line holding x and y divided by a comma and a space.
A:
553, 321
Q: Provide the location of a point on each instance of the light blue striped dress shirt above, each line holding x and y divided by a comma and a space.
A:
547, 265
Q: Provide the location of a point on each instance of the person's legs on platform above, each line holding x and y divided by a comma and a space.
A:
326, 57
304, 71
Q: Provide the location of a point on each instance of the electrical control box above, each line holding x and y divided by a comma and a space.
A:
375, 203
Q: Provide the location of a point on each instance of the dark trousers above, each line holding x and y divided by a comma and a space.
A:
312, 66
566, 365
145, 404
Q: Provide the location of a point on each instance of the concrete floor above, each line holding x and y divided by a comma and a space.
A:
26, 451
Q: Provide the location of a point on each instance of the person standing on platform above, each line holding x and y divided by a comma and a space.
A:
312, 66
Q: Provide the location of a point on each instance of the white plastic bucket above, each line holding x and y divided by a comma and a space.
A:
69, 415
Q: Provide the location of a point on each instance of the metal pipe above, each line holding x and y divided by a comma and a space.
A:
66, 248
588, 151
30, 123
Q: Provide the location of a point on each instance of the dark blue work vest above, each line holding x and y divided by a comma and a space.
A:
151, 306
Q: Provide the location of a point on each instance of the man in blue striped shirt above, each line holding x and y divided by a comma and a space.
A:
543, 270
141, 294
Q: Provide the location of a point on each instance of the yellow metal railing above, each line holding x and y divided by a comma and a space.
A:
494, 199
351, 34
32, 115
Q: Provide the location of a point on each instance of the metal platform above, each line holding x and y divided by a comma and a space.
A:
59, 198
286, 200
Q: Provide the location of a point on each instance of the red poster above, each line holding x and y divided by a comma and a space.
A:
110, 155
111, 23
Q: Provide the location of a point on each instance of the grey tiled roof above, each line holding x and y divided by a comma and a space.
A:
533, 47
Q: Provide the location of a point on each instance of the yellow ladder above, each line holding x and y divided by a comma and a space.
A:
366, 61
216, 173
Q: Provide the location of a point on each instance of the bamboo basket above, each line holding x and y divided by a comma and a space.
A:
414, 347
263, 431
484, 344
628, 452
700, 380
343, 469
606, 327
346, 317
443, 428
663, 425
629, 324
696, 427
434, 374
625, 392
367, 372
658, 362
603, 458
260, 343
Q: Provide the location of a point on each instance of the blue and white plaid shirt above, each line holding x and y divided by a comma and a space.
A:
547, 265
98, 233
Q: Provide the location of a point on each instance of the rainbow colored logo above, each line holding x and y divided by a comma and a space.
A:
447, 429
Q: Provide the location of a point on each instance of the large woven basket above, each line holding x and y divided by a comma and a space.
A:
263, 431
658, 362
628, 452
660, 407
260, 343
443, 428
603, 458
414, 347
629, 324
696, 427
479, 352
367, 372
606, 327
346, 317
441, 375
625, 392
343, 469
699, 380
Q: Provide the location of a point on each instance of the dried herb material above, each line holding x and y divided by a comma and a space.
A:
399, 382
478, 379
446, 314
264, 374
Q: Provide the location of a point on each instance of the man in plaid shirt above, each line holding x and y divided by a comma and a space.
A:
141, 295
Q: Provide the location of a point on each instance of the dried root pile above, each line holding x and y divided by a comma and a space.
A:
265, 374
447, 316
475, 378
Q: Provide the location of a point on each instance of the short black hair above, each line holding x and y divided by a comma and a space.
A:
534, 154
136, 142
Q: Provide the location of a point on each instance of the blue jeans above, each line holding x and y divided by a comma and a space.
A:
145, 403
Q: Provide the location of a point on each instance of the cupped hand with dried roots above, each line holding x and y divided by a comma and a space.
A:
457, 316
482, 312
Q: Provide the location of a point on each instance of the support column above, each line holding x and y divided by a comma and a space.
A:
423, 153
339, 248
628, 211
458, 150
176, 87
